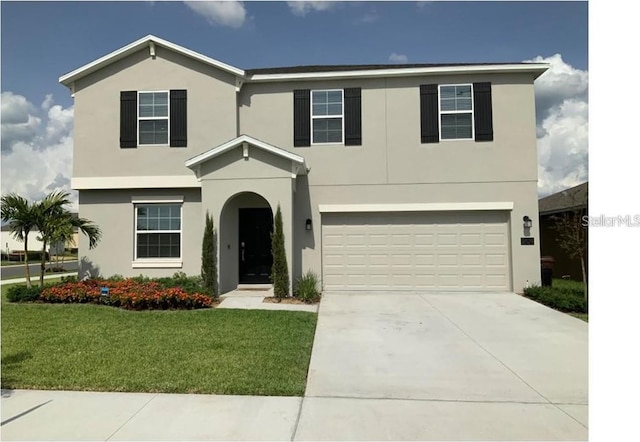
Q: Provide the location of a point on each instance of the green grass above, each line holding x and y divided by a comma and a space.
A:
13, 263
99, 348
583, 316
567, 284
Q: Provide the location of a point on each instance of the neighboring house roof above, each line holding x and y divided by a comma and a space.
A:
569, 199
301, 168
302, 72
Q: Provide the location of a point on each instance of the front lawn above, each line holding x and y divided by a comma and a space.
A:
101, 348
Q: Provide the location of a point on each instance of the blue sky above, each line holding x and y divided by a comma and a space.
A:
65, 35
40, 41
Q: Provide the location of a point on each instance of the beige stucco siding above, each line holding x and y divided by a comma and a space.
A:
391, 151
113, 211
211, 115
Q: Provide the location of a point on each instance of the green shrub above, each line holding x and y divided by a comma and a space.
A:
279, 269
127, 294
209, 264
22, 293
307, 287
69, 279
565, 299
190, 284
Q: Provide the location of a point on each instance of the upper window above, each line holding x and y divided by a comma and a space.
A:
153, 118
158, 231
456, 112
327, 116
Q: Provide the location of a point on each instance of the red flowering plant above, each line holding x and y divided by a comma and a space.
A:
127, 293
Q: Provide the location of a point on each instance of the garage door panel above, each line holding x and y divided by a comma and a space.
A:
414, 251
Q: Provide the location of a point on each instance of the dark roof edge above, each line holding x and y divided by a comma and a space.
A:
363, 67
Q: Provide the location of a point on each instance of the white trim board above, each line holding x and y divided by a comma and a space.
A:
134, 182
418, 207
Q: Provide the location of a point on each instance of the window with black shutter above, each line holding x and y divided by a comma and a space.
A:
128, 119
331, 116
483, 113
302, 118
178, 118
456, 112
352, 117
429, 128
153, 118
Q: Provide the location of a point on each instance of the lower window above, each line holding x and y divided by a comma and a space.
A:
158, 231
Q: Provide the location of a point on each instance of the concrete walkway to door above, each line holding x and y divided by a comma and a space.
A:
445, 367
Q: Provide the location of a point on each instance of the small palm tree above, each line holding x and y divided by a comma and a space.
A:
21, 216
53, 219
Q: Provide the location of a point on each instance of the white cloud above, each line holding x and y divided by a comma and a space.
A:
19, 122
398, 58
226, 13
562, 126
303, 7
48, 101
59, 124
38, 161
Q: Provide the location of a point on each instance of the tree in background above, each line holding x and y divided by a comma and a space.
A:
572, 238
20, 215
279, 270
209, 266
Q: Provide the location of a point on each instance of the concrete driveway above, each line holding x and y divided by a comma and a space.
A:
445, 367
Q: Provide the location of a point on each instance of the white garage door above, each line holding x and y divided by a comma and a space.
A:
416, 251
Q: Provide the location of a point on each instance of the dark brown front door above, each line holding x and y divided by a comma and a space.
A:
255, 226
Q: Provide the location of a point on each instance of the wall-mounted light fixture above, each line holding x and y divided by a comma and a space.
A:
307, 224
527, 222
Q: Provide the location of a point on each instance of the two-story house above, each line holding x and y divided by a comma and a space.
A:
389, 177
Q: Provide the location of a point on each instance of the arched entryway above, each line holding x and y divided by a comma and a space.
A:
246, 222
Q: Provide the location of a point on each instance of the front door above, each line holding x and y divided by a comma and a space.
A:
255, 226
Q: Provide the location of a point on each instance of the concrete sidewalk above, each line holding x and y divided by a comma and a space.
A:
89, 416
36, 278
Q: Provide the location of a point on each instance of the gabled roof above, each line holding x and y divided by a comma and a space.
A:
570, 199
305, 72
232, 144
149, 41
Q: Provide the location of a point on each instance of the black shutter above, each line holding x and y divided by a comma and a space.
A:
178, 118
429, 125
128, 119
302, 117
352, 117
482, 114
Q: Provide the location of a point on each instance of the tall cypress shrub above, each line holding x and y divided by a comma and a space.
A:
279, 270
209, 268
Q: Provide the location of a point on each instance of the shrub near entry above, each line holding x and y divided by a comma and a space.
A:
128, 294
307, 287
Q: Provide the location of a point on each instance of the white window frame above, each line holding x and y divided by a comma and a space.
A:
157, 262
326, 117
168, 117
441, 112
